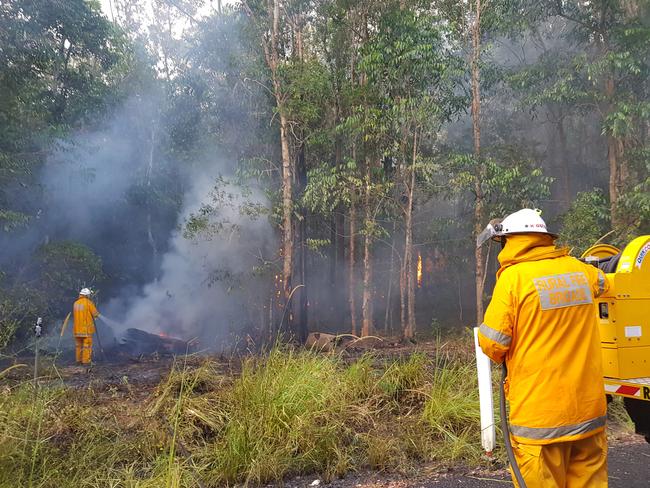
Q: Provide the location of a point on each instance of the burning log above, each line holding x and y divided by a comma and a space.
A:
136, 342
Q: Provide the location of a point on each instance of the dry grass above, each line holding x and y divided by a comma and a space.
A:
286, 413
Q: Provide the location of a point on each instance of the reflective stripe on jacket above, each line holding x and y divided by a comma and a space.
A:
542, 321
84, 314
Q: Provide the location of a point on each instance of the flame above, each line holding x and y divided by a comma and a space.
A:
419, 270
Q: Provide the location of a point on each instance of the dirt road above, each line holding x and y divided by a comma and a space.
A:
629, 467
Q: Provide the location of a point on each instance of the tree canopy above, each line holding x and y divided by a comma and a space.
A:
307, 165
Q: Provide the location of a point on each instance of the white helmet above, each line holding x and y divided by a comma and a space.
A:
85, 292
524, 221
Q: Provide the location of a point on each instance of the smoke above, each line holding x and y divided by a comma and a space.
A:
118, 191
208, 283
84, 184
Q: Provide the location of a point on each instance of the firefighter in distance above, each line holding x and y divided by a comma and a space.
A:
84, 314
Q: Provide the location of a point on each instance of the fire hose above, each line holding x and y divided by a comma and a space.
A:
506, 430
99, 342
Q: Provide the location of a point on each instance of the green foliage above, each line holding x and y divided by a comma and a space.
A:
57, 437
331, 187
229, 203
11, 220
306, 86
586, 221
413, 78
60, 64
600, 70
19, 308
280, 420
62, 269
510, 182
617, 415
402, 377
634, 202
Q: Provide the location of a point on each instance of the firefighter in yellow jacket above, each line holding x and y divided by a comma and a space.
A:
84, 314
542, 322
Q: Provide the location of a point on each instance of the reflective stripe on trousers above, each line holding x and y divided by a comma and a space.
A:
544, 433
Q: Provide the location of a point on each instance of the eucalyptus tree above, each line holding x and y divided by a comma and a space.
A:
473, 23
274, 30
602, 71
410, 61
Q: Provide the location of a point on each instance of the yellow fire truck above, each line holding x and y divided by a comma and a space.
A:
624, 319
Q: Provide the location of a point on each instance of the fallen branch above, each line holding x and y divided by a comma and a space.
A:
2, 373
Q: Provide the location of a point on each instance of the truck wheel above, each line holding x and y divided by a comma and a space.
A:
639, 412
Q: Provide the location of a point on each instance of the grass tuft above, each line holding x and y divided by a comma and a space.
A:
284, 415
452, 411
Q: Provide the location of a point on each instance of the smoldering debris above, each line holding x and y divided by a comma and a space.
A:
136, 342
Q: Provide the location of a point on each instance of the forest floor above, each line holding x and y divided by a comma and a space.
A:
397, 416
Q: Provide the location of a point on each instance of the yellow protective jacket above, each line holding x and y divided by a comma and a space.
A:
84, 314
542, 321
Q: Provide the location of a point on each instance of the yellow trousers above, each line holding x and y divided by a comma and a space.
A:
573, 464
83, 349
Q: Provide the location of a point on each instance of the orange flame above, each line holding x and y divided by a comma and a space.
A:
419, 270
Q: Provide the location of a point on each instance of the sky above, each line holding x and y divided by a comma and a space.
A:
181, 23
210, 5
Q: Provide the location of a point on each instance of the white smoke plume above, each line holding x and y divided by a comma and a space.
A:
207, 284
210, 285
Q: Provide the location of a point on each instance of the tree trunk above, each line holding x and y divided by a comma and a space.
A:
389, 293
402, 296
271, 47
460, 298
366, 304
273, 59
300, 298
351, 269
409, 330
558, 154
562, 160
340, 241
403, 281
614, 158
564, 164
332, 253
287, 210
337, 222
150, 237
479, 209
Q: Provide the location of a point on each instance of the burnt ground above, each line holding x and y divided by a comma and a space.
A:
629, 454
